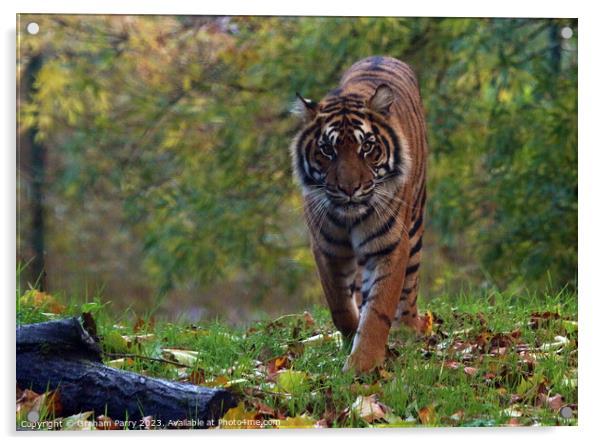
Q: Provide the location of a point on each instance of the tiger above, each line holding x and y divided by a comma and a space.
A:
360, 160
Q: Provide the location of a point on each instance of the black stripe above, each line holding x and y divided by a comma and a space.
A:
382, 317
382, 252
337, 242
411, 269
382, 277
365, 294
363, 218
385, 228
415, 227
333, 256
376, 280
335, 220
305, 177
365, 78
416, 247
375, 120
344, 274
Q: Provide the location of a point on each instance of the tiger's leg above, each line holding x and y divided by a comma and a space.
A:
407, 311
380, 291
338, 277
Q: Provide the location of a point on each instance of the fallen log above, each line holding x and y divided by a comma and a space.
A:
62, 355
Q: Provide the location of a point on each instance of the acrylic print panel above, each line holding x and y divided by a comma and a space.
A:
400, 251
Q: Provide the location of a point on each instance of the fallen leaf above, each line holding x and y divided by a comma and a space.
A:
142, 324
322, 338
78, 422
184, 357
384, 374
42, 301
369, 408
292, 382
393, 421
309, 320
457, 416
276, 364
147, 422
555, 402
427, 324
120, 363
542, 319
239, 418
114, 342
450, 364
197, 377
557, 345
263, 409
105, 423
302, 421
132, 340
217, 381
426, 414
47, 404
469, 370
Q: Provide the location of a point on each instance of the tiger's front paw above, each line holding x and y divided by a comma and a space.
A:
361, 362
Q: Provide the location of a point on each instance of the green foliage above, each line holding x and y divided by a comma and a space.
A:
183, 123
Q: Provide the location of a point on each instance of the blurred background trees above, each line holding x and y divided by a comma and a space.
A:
154, 164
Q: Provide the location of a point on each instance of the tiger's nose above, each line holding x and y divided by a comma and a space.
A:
349, 189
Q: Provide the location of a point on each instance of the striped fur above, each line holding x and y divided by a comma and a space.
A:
360, 160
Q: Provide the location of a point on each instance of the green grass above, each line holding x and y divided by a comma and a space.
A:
423, 381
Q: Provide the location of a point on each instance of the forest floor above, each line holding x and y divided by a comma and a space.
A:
489, 360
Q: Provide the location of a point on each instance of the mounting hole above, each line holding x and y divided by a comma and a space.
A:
33, 28
566, 33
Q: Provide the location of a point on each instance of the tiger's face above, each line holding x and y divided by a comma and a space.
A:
347, 157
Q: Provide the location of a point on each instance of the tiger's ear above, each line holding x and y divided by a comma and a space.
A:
382, 99
304, 108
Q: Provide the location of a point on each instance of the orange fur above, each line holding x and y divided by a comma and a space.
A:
361, 162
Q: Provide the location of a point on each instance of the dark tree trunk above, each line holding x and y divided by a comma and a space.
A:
63, 355
555, 48
37, 174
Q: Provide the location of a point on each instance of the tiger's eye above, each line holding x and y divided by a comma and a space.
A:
367, 147
327, 150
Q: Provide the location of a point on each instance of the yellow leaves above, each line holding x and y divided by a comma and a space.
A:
41, 301
427, 324
292, 382
302, 421
239, 418
218, 381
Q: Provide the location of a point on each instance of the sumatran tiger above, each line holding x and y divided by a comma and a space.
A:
360, 159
